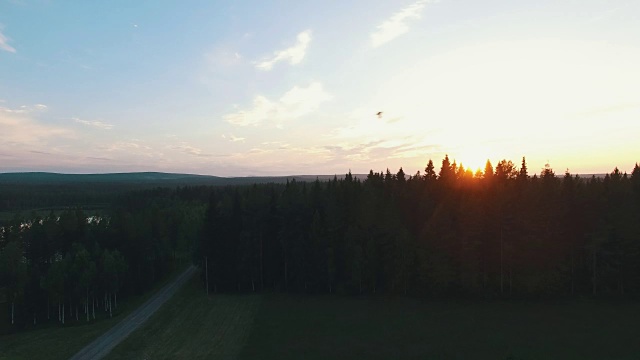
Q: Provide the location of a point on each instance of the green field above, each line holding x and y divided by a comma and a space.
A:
280, 326
275, 326
192, 326
324, 327
51, 341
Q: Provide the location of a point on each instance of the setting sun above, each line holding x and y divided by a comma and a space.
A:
472, 157
399, 87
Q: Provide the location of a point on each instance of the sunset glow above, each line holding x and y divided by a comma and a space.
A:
224, 90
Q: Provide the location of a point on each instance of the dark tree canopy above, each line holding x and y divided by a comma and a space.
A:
495, 233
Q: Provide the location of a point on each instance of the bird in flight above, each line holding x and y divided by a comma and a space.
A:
379, 114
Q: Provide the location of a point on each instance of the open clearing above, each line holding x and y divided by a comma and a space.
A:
280, 326
326, 327
331, 327
192, 326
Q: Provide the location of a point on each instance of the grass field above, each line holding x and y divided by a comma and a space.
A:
192, 326
280, 326
51, 341
333, 327
300, 327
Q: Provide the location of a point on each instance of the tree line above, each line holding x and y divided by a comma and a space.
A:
497, 232
72, 266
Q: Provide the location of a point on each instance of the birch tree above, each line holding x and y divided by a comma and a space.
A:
13, 270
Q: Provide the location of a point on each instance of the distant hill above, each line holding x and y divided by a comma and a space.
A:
165, 179
46, 177
150, 178
43, 190
27, 191
588, 176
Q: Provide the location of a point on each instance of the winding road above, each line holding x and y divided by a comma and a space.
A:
101, 346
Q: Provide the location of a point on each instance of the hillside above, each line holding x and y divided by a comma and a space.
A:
154, 178
44, 191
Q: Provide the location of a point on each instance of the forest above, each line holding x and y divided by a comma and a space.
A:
70, 265
447, 232
495, 233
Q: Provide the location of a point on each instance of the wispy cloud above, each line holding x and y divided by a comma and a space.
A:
279, 159
233, 138
297, 102
608, 109
373, 151
126, 145
293, 54
94, 123
4, 44
191, 150
397, 24
326, 158
25, 109
19, 128
276, 144
98, 158
223, 58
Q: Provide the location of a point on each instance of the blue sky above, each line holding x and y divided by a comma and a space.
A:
271, 88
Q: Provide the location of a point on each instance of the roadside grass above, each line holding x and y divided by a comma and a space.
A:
193, 326
285, 326
333, 327
53, 341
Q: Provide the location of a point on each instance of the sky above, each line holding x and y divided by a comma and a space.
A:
240, 88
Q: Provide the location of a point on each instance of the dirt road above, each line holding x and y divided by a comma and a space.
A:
101, 346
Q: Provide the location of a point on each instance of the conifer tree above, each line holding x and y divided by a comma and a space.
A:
447, 174
523, 174
429, 172
488, 170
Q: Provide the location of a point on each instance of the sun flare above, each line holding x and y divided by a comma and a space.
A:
471, 157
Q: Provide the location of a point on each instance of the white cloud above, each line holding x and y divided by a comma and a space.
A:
293, 54
295, 103
94, 123
396, 25
4, 44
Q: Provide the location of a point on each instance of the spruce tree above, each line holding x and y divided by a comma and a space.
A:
429, 172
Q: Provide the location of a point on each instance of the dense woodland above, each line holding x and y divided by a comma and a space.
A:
43, 191
450, 232
445, 232
72, 266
